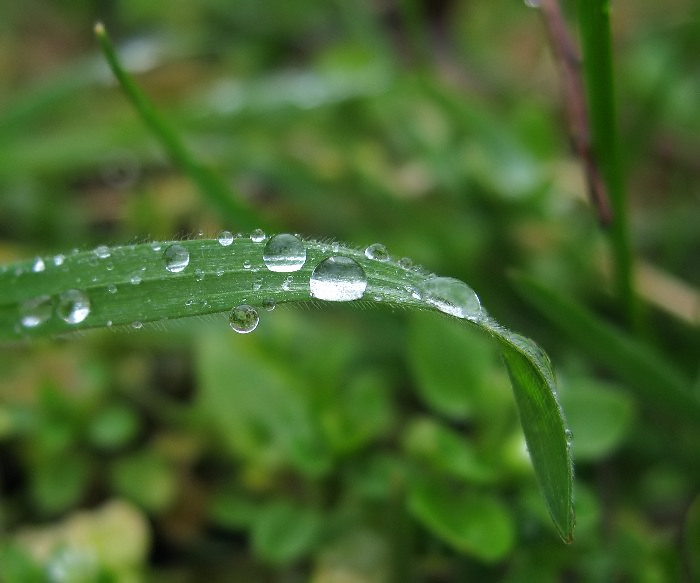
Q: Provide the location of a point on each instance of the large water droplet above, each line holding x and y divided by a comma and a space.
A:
176, 258
225, 238
338, 279
243, 319
284, 253
257, 236
36, 311
377, 251
73, 306
452, 296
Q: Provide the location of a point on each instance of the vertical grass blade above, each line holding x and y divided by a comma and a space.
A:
594, 22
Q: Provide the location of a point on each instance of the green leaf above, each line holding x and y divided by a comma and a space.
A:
472, 523
447, 451
600, 416
448, 382
284, 532
545, 429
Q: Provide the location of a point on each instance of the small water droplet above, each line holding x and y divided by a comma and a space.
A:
38, 265
246, 264
198, 274
452, 296
36, 311
377, 251
257, 284
532, 3
219, 272
136, 325
73, 306
269, 304
58, 260
102, 251
257, 236
176, 258
243, 319
189, 302
415, 294
377, 298
135, 279
109, 266
338, 279
225, 238
284, 253
108, 323
287, 283
406, 262
156, 247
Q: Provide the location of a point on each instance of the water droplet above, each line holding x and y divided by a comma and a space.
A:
415, 294
109, 266
225, 238
284, 253
102, 251
219, 272
36, 311
38, 265
198, 274
377, 251
156, 247
257, 284
377, 298
406, 262
338, 279
532, 3
73, 306
287, 283
246, 264
135, 279
136, 325
111, 288
176, 258
452, 296
257, 236
269, 304
243, 319
108, 323
58, 260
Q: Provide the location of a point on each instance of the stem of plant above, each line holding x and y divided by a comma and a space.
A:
594, 22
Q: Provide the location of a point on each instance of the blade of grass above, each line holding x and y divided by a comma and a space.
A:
211, 186
658, 383
594, 23
131, 285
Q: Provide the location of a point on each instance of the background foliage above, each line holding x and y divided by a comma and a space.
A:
341, 444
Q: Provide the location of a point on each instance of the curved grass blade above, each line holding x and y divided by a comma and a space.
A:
153, 282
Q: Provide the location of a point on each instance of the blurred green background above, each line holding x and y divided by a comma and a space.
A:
343, 445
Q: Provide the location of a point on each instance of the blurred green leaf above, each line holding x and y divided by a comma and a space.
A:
599, 415
113, 427
450, 363
255, 407
146, 478
284, 532
59, 482
473, 523
446, 450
